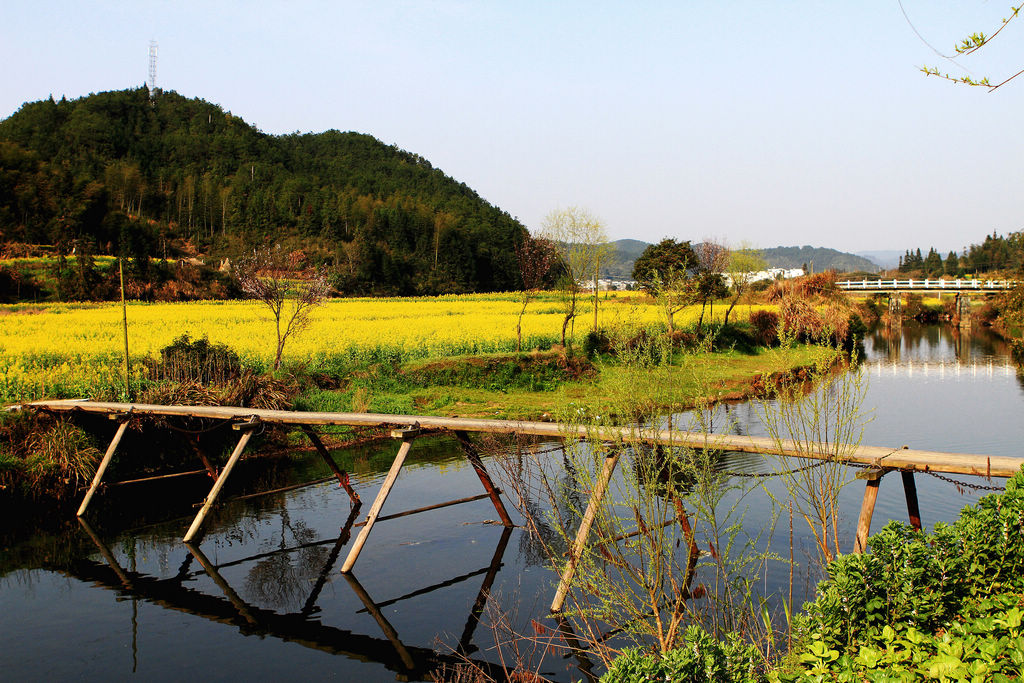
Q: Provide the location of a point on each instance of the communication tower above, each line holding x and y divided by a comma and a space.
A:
152, 67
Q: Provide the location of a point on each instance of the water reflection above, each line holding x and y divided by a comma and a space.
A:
293, 568
271, 565
935, 343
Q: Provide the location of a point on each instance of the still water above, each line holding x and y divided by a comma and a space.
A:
262, 597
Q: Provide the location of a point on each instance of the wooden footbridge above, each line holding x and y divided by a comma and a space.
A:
875, 461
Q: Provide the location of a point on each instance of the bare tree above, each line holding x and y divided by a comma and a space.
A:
277, 280
582, 241
536, 257
712, 260
744, 261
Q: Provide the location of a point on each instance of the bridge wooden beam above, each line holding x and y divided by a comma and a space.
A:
908, 459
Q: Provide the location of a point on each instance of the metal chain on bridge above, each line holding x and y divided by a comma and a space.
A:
957, 482
766, 475
813, 465
183, 430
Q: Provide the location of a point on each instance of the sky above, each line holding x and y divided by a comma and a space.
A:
763, 123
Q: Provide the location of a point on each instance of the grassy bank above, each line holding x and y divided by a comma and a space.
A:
449, 356
541, 384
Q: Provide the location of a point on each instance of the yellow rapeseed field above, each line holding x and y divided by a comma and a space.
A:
65, 350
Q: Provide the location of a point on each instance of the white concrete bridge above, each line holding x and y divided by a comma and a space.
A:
918, 285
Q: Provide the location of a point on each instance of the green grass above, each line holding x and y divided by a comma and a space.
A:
525, 386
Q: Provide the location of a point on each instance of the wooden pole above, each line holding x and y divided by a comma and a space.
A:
485, 590
478, 466
426, 508
197, 523
225, 587
910, 490
389, 631
341, 474
198, 450
867, 508
107, 457
600, 486
407, 436
124, 322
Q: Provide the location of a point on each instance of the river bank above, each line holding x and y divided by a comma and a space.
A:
42, 456
277, 554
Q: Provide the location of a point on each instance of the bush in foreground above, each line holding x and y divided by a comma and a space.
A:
945, 605
700, 658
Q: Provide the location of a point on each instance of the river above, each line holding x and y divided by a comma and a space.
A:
263, 598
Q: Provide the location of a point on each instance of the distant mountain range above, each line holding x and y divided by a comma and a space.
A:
817, 259
625, 253
886, 259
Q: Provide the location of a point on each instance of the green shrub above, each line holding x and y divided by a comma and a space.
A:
922, 587
185, 360
701, 658
597, 342
737, 336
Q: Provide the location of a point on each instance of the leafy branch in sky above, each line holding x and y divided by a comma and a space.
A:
970, 45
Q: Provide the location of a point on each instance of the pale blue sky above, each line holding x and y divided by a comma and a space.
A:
778, 123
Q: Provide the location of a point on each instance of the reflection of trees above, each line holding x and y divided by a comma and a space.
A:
539, 486
282, 580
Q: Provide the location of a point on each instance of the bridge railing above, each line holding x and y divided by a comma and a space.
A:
940, 284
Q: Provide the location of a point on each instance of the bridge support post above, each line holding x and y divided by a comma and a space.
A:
407, 436
867, 508
910, 490
578, 546
247, 429
339, 473
485, 479
107, 457
895, 308
963, 310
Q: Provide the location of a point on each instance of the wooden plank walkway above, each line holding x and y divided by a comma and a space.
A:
887, 457
876, 460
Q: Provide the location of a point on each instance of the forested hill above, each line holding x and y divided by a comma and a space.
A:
123, 172
817, 259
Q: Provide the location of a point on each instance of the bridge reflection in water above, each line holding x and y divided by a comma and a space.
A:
912, 350
954, 368
301, 627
